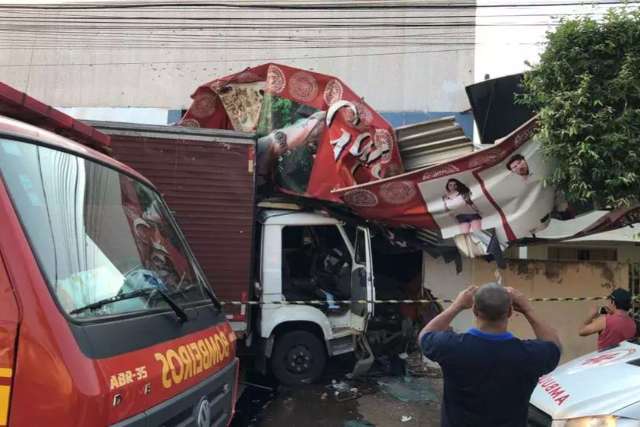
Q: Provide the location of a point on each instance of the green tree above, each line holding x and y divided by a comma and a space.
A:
586, 89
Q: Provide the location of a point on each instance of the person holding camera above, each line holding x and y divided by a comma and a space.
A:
612, 322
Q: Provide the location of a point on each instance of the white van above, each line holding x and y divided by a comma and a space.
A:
600, 389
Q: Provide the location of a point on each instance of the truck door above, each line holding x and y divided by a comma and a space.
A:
362, 275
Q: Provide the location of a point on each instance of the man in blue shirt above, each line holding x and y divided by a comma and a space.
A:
489, 374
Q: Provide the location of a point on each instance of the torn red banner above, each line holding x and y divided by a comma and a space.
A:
315, 134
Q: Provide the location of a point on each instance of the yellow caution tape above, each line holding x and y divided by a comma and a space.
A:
397, 301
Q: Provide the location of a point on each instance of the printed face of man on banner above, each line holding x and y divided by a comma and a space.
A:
517, 187
509, 196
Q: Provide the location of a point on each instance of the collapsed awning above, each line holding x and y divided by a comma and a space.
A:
318, 139
315, 134
499, 191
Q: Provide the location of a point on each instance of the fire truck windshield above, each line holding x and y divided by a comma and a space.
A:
98, 235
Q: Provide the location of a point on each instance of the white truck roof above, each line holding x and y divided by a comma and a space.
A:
292, 217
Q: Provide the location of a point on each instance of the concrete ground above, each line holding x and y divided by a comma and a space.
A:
310, 407
383, 401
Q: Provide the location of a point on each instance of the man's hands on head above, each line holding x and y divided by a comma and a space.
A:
520, 301
541, 329
464, 300
441, 322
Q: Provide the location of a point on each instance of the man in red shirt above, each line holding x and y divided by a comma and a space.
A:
613, 326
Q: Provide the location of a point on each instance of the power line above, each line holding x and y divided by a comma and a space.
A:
303, 6
108, 18
244, 60
23, 28
35, 31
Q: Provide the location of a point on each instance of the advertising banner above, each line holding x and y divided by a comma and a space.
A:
501, 189
318, 139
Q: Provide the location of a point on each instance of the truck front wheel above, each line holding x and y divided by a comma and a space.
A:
298, 358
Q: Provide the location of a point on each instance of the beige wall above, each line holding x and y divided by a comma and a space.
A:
536, 279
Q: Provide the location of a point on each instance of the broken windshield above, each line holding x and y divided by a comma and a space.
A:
97, 233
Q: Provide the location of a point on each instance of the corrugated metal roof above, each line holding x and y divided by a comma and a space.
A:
431, 142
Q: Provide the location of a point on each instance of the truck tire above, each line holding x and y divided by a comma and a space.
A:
299, 357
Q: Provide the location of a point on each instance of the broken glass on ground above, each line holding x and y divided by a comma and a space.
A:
408, 389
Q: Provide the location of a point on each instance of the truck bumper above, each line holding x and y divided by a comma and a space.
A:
214, 395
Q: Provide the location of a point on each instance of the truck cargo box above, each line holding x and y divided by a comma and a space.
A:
207, 178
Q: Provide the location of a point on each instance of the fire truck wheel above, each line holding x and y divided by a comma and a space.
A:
298, 358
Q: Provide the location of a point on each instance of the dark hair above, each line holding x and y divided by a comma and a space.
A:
621, 299
513, 159
492, 302
463, 190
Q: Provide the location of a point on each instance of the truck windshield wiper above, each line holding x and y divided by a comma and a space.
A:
190, 288
211, 295
135, 294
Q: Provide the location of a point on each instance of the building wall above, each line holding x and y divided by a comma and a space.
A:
406, 72
537, 279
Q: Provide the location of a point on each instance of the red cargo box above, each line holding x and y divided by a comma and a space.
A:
207, 178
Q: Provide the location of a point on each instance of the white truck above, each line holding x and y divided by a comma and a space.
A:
600, 389
255, 254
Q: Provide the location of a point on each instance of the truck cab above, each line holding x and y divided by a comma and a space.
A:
309, 263
107, 318
275, 266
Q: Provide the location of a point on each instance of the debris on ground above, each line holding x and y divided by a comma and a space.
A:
373, 407
357, 423
390, 365
408, 389
406, 418
419, 366
342, 391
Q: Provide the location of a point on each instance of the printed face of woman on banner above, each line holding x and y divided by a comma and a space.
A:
456, 203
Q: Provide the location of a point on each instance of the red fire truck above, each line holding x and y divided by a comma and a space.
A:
106, 317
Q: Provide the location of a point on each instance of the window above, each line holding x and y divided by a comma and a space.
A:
315, 260
562, 253
361, 249
310, 249
100, 237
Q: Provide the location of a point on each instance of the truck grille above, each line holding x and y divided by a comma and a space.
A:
182, 410
537, 418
